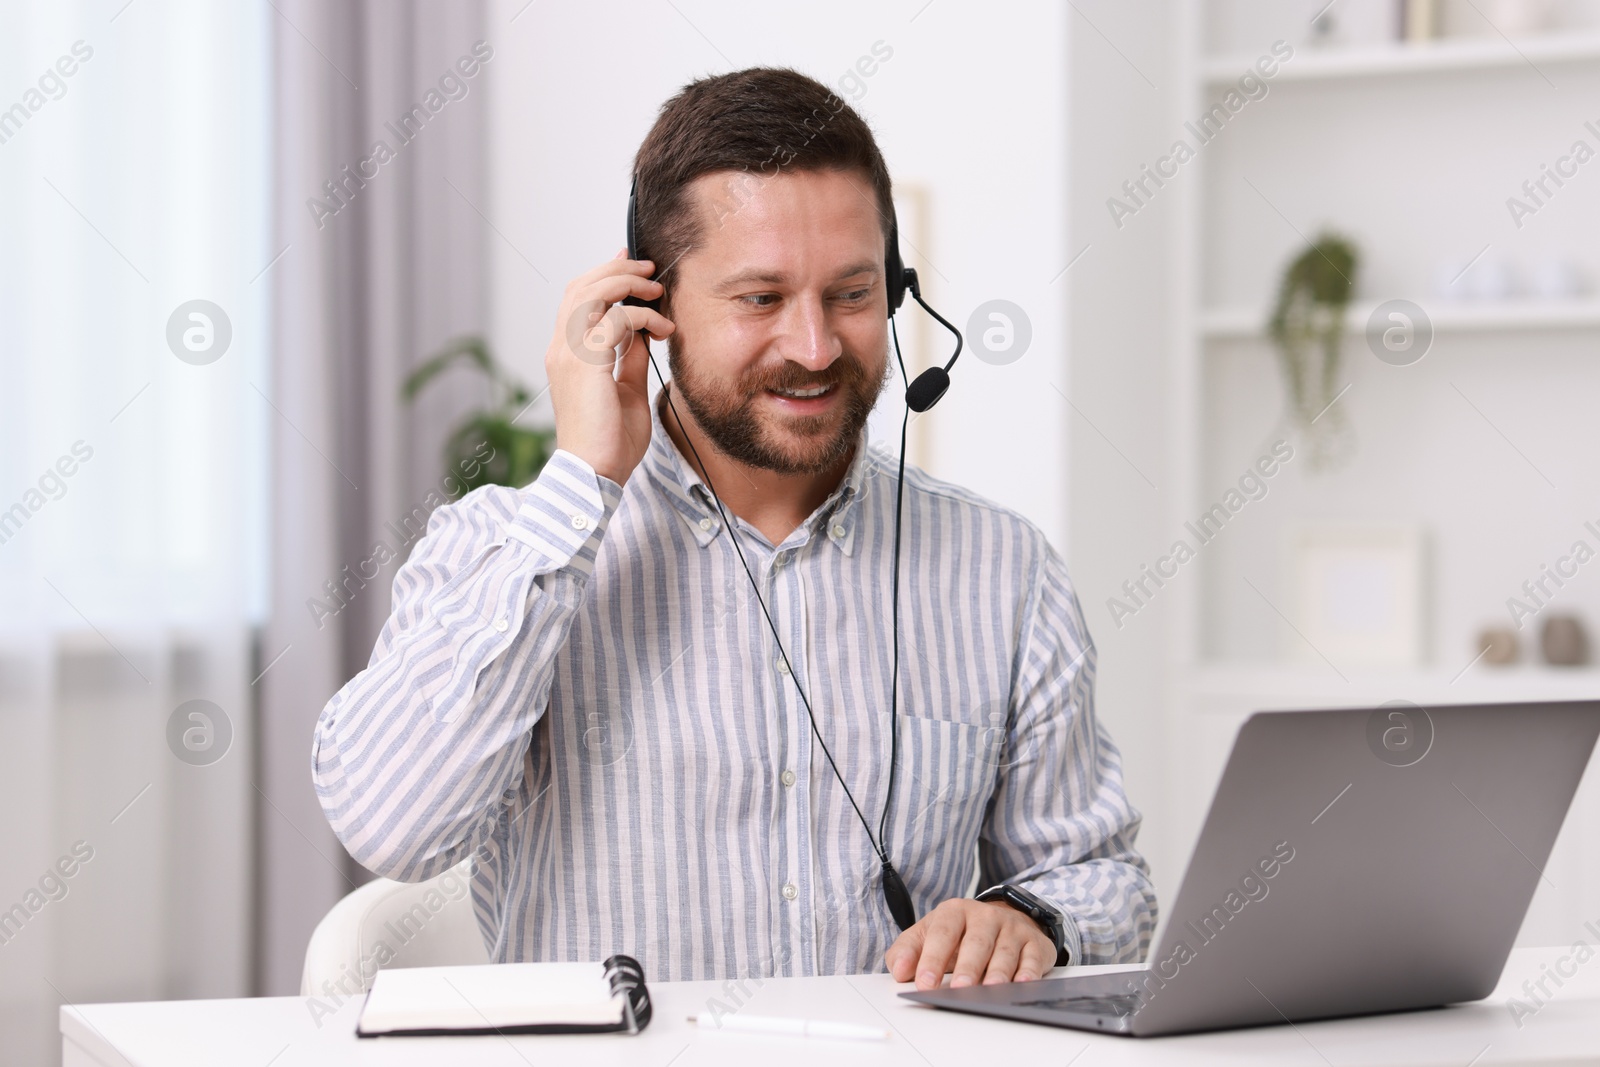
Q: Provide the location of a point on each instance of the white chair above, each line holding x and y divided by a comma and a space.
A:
393, 924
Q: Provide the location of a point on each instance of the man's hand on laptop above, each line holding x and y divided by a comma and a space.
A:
981, 941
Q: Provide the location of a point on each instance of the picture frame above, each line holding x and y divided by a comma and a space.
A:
1360, 593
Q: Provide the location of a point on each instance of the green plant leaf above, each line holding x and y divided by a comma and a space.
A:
516, 454
471, 348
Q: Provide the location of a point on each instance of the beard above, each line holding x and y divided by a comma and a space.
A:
806, 444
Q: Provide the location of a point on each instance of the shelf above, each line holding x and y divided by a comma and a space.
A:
1236, 688
1368, 61
1483, 317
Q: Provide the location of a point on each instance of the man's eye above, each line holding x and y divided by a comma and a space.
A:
858, 294
760, 296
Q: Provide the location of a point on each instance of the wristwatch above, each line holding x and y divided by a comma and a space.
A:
1036, 909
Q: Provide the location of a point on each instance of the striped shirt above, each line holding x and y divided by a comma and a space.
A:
577, 689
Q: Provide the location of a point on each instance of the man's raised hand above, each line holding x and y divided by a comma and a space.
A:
602, 410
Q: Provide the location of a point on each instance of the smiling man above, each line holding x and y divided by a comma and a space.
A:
578, 689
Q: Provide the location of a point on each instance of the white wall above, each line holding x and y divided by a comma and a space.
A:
1121, 296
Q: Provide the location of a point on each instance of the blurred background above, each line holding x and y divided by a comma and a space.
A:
1282, 323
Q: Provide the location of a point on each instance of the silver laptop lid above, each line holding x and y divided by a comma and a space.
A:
1353, 861
1365, 860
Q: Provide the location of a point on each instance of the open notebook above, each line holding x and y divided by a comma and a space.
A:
508, 998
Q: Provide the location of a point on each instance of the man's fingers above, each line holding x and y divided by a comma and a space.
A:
612, 288
593, 333
902, 956
1003, 961
634, 371
1038, 956
939, 948
593, 336
648, 319
620, 265
978, 943
621, 320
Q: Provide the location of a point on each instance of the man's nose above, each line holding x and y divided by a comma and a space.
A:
812, 342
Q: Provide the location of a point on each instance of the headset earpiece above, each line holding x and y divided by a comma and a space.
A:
895, 275
633, 245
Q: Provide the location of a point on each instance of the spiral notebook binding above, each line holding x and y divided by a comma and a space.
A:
627, 977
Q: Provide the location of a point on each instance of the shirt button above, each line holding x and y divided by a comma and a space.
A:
789, 891
706, 524
580, 522
787, 777
783, 666
837, 531
501, 624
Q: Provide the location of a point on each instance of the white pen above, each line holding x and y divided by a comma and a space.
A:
774, 1024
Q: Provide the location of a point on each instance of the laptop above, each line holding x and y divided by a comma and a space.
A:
1353, 861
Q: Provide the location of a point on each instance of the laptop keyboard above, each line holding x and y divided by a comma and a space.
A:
1118, 1004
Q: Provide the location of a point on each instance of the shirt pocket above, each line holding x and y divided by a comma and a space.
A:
943, 782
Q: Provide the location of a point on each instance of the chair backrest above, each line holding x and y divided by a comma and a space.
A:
393, 924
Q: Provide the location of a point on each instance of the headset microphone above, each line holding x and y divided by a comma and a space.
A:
921, 395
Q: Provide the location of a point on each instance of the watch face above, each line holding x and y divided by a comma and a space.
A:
1034, 906
1031, 906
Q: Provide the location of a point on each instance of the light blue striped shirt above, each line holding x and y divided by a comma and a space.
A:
577, 687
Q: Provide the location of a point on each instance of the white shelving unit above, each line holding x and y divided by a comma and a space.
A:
1382, 61
1204, 330
1325, 107
1237, 688
1240, 323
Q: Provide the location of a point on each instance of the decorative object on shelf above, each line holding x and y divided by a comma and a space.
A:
1556, 277
1421, 20
1356, 22
1359, 594
1494, 279
1491, 278
1499, 645
1497, 19
1473, 280
1564, 641
1519, 16
516, 454
1307, 327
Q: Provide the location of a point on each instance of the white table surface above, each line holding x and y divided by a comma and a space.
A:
281, 1032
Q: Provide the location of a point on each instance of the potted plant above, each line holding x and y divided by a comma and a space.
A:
517, 453
1307, 328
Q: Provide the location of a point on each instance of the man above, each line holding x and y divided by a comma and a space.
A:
579, 689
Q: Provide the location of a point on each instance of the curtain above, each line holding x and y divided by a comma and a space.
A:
133, 443
379, 215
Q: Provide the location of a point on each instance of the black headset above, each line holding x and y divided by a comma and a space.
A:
921, 395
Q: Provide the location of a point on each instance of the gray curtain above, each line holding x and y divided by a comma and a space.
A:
377, 271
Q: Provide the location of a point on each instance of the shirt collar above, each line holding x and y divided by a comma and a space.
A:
689, 495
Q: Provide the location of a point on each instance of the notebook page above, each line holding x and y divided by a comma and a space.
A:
490, 995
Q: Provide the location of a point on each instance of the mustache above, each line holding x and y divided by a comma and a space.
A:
846, 370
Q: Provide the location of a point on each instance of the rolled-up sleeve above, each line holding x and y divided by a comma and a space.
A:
414, 757
1059, 823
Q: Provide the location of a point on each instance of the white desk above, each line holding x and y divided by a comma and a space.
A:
280, 1032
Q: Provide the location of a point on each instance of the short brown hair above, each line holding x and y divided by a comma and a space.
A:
758, 121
